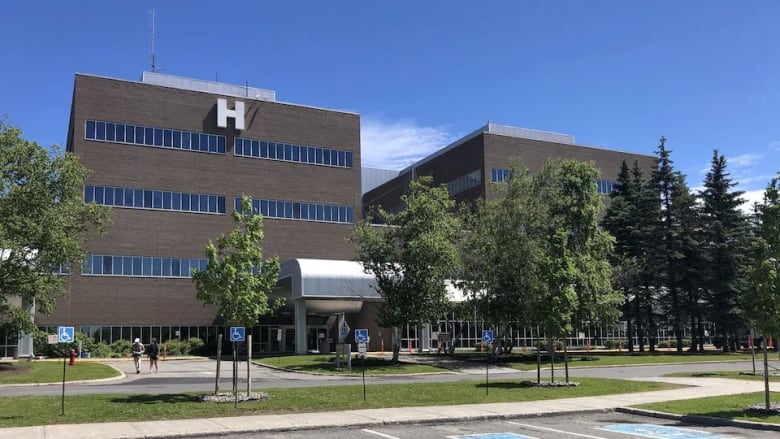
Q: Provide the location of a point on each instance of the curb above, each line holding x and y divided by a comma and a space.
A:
121, 376
700, 419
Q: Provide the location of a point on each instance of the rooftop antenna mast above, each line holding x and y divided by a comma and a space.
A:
151, 39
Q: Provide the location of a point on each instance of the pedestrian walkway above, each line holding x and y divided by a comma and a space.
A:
698, 388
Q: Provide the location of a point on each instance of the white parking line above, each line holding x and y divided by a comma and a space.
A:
552, 430
379, 434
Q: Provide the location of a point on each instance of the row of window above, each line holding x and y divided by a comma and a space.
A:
292, 153
605, 186
500, 175
300, 211
151, 199
465, 182
155, 137
141, 266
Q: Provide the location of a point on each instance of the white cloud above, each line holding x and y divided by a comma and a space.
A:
775, 145
744, 160
750, 197
745, 182
396, 145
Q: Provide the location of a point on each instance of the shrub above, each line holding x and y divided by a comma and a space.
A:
191, 346
121, 348
41, 345
175, 346
611, 344
101, 350
665, 344
195, 347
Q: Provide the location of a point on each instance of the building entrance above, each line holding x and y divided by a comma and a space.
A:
281, 338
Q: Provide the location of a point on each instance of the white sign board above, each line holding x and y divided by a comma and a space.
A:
54, 339
362, 349
343, 330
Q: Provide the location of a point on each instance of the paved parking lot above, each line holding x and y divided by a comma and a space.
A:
607, 425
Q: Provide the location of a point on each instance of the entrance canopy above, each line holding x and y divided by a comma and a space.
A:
327, 286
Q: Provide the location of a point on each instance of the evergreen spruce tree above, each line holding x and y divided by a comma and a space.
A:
725, 234
620, 220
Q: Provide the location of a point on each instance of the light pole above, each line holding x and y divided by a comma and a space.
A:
764, 340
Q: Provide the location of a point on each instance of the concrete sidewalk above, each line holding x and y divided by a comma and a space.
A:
699, 387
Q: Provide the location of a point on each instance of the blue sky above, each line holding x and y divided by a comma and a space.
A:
615, 74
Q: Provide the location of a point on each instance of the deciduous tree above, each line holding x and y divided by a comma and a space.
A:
237, 279
411, 256
44, 224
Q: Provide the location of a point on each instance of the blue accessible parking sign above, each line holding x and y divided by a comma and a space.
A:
237, 333
66, 334
487, 336
361, 335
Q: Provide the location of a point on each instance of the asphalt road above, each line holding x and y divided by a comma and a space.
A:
199, 375
607, 425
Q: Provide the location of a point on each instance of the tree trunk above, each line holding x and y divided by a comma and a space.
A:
551, 352
651, 329
219, 358
248, 364
566, 358
694, 336
396, 342
640, 331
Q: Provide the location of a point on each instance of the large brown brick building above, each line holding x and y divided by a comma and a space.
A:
171, 156
471, 164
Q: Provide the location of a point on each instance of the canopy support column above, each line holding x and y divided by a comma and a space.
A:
301, 342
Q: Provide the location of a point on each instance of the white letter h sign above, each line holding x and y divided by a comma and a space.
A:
223, 113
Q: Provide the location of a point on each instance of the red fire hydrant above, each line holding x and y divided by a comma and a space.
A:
72, 357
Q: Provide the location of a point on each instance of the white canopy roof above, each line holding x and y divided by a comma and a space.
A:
333, 279
327, 279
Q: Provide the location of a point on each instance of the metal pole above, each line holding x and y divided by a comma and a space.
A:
62, 413
363, 366
235, 377
219, 358
487, 382
766, 374
753, 348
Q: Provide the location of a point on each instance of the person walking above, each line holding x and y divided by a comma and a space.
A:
138, 350
154, 352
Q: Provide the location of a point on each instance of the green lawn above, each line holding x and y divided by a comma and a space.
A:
325, 364
732, 407
50, 371
746, 375
528, 361
22, 411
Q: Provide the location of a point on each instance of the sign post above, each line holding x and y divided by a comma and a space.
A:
237, 333
361, 338
340, 346
65, 334
487, 337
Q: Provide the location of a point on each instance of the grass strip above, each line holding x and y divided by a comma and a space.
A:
50, 371
325, 364
528, 361
746, 375
43, 410
730, 407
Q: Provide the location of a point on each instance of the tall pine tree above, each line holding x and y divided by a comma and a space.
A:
726, 245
